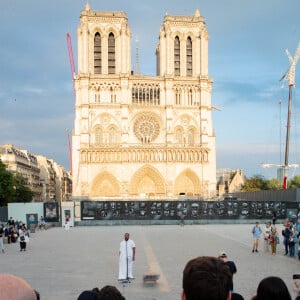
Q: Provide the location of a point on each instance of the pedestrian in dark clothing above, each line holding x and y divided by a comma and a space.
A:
230, 264
274, 217
286, 232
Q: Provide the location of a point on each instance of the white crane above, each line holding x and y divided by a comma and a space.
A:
290, 76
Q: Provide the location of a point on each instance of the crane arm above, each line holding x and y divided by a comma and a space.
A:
71, 58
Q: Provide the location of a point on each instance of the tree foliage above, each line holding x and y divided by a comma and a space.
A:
13, 188
255, 183
259, 183
6, 185
273, 184
294, 182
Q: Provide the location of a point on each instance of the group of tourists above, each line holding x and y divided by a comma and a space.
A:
272, 237
13, 232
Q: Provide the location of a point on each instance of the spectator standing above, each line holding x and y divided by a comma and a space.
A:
298, 225
256, 232
266, 235
230, 264
1, 238
67, 227
294, 242
11, 222
8, 233
206, 277
23, 238
272, 288
286, 232
273, 239
15, 288
88, 295
110, 292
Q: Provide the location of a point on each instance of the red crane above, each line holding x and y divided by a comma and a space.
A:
70, 150
71, 58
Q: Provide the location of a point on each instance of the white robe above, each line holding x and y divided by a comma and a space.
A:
125, 259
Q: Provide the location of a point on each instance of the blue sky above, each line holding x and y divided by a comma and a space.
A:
246, 60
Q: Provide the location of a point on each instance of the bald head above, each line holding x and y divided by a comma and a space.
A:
15, 288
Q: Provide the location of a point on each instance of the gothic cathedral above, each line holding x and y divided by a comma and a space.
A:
137, 136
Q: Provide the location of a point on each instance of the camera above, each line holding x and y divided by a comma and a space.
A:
296, 276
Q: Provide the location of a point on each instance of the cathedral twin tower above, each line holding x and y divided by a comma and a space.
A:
138, 136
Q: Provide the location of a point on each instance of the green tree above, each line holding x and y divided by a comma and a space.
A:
13, 188
273, 184
294, 182
255, 183
6, 185
22, 192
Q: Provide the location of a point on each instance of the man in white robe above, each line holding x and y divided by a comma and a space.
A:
126, 258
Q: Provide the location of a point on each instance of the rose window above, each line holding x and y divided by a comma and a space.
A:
146, 128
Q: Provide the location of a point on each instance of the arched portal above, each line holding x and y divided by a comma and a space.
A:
187, 182
147, 180
105, 184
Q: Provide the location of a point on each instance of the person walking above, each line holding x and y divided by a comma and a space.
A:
126, 258
256, 232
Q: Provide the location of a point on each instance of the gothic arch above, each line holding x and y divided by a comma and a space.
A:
187, 182
147, 180
105, 184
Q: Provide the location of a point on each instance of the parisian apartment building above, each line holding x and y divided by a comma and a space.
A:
48, 180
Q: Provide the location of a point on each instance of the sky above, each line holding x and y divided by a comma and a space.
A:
246, 60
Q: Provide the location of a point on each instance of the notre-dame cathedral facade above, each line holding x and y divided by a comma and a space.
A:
138, 136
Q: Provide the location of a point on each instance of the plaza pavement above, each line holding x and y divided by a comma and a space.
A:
61, 264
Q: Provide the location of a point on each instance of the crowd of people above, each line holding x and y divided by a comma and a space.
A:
271, 237
13, 232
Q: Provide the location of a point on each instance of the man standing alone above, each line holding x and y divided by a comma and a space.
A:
256, 231
126, 258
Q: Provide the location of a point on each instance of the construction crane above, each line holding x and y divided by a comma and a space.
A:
72, 65
69, 149
71, 58
290, 76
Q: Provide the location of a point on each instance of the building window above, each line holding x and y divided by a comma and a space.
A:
177, 97
191, 137
177, 56
98, 136
190, 97
189, 57
112, 136
111, 54
97, 98
97, 54
179, 136
113, 96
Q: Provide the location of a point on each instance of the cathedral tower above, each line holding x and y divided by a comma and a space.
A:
142, 136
